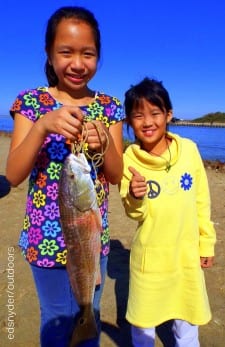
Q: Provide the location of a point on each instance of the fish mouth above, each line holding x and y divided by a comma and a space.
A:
79, 159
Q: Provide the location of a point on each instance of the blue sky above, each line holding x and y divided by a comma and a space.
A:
181, 43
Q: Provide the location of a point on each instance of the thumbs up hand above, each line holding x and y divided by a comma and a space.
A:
138, 186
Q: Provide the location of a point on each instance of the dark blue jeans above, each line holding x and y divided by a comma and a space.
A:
58, 305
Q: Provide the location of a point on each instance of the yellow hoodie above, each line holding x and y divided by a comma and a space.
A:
174, 230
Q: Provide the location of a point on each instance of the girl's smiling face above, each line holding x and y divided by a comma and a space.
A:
149, 123
74, 55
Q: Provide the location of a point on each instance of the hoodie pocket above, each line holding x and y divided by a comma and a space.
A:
155, 259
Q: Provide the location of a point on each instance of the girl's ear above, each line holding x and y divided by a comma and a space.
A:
169, 116
49, 61
127, 121
48, 57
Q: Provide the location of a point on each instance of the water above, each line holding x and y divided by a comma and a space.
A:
210, 140
6, 123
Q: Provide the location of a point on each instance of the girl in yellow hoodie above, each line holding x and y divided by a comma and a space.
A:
165, 188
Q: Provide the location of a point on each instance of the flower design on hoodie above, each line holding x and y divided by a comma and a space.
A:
186, 181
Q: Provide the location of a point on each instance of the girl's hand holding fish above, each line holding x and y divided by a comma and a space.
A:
28, 137
66, 121
107, 148
97, 135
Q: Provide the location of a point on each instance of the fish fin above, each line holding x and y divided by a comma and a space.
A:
98, 220
85, 328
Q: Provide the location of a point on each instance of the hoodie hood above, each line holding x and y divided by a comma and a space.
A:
149, 161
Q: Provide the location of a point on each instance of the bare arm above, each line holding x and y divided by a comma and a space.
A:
28, 138
113, 159
25, 144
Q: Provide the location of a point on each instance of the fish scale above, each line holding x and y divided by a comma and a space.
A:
81, 225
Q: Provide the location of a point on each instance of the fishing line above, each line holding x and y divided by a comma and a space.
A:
81, 145
97, 158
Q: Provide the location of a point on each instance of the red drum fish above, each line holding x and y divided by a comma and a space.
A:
81, 226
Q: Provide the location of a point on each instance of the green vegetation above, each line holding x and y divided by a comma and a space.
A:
217, 117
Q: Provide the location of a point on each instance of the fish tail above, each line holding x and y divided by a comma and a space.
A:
85, 327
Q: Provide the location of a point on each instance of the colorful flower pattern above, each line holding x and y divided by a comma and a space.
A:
186, 181
41, 238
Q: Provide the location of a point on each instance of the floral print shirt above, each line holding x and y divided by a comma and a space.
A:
41, 238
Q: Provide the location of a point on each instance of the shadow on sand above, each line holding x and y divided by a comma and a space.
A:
118, 269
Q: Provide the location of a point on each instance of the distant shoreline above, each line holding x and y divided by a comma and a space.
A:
5, 133
177, 123
202, 124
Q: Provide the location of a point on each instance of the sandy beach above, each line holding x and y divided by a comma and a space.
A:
19, 311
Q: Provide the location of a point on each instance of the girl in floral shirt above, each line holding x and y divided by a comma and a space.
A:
46, 121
